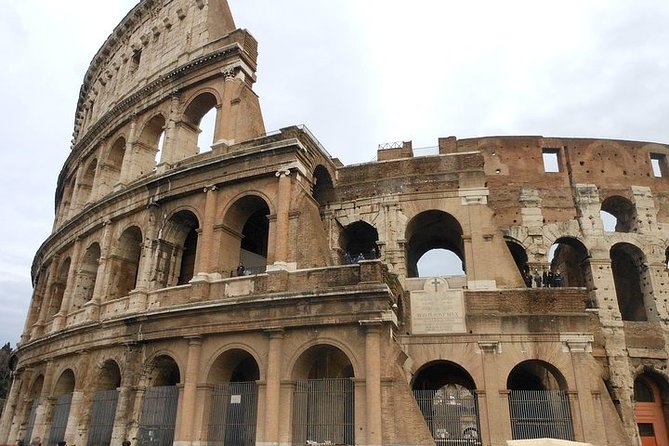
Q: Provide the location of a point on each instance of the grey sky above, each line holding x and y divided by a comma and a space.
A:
358, 73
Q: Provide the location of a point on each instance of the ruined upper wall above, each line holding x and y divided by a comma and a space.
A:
155, 37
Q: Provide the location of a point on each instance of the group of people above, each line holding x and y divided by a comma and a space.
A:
350, 259
547, 279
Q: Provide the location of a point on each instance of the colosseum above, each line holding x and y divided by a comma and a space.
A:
260, 292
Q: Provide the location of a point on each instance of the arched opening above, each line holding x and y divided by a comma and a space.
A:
666, 257
569, 265
200, 123
650, 400
438, 231
66, 204
125, 263
323, 189
86, 277
520, 259
85, 185
58, 288
323, 398
149, 146
30, 409
359, 242
177, 250
538, 402
245, 245
234, 399
111, 171
446, 396
632, 282
105, 400
622, 210
161, 398
61, 409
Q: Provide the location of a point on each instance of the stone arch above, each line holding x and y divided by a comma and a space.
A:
323, 188
124, 264
105, 401
538, 402
571, 259
86, 276
66, 204
233, 398
446, 395
623, 210
149, 145
161, 398
359, 241
85, 184
110, 174
177, 249
246, 241
62, 391
201, 105
58, 288
631, 277
30, 408
324, 396
430, 230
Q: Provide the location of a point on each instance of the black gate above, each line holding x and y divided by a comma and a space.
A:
540, 414
61, 412
31, 422
102, 417
159, 415
452, 416
234, 408
323, 411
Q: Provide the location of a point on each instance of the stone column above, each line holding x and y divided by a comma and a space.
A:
281, 237
273, 387
70, 286
373, 383
187, 411
9, 412
497, 425
205, 261
224, 129
169, 155
79, 417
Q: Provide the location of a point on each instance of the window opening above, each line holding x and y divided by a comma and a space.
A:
206, 137
551, 158
659, 164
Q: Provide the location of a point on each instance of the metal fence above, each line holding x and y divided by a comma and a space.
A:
27, 436
453, 418
540, 414
61, 412
323, 411
159, 415
102, 417
233, 414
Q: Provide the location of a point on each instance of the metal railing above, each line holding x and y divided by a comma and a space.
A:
540, 414
159, 415
323, 412
102, 417
453, 419
61, 412
27, 436
233, 414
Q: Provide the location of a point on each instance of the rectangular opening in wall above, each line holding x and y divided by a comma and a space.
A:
551, 160
659, 163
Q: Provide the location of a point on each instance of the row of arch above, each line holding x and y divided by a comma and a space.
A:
161, 138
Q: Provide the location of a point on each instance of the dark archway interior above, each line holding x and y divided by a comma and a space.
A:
519, 256
626, 262
623, 210
535, 375
437, 375
165, 372
323, 191
571, 259
359, 239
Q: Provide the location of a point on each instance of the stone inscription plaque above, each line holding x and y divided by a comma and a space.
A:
437, 309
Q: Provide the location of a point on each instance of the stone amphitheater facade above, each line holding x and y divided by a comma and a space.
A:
143, 328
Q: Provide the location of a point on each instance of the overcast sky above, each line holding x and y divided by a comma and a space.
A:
358, 73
